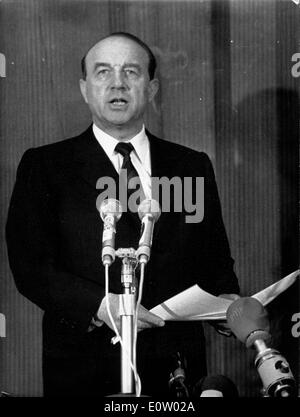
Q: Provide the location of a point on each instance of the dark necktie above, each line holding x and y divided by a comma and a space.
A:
125, 150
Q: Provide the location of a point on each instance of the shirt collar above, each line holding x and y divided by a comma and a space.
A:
107, 142
140, 142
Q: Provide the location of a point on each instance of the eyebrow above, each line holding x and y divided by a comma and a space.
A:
106, 64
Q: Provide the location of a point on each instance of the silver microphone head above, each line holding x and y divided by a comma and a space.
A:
149, 206
110, 206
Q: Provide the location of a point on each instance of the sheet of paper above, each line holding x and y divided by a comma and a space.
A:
268, 294
196, 304
191, 304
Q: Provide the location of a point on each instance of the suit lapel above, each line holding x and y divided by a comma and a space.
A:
164, 163
91, 161
163, 160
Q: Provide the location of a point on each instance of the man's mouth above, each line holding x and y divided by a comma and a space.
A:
118, 102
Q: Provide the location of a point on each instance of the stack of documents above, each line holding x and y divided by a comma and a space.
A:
196, 304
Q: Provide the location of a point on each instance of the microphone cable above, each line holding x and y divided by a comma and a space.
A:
138, 303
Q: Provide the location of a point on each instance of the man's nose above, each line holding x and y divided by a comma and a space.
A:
118, 80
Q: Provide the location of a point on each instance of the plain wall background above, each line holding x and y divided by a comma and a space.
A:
226, 89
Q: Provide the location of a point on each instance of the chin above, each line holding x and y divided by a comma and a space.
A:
119, 121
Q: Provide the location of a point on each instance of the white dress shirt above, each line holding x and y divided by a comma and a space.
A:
140, 157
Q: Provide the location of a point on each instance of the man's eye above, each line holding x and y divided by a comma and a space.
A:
103, 72
131, 72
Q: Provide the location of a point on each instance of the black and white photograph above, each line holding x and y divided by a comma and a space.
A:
149, 202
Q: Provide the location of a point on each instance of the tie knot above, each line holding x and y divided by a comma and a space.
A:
124, 148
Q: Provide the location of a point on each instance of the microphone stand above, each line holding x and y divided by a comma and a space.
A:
130, 258
127, 311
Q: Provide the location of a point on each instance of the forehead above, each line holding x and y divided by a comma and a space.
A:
117, 51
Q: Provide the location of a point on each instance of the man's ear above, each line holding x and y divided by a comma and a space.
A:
82, 84
153, 88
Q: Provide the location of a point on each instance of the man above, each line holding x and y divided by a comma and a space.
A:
54, 235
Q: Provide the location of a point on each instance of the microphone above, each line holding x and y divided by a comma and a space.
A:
176, 383
215, 386
149, 213
110, 212
249, 322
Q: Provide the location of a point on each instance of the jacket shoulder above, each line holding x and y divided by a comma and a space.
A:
178, 150
68, 143
57, 152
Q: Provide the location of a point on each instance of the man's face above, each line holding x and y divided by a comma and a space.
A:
117, 87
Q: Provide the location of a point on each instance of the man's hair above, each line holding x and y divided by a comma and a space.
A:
152, 60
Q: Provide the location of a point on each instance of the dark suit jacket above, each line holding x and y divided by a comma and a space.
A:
54, 237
